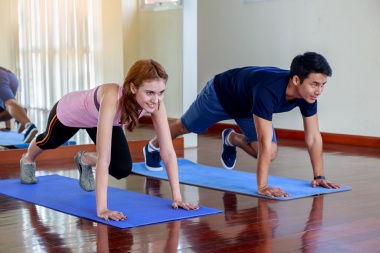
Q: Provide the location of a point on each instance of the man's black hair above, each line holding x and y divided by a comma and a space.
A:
309, 62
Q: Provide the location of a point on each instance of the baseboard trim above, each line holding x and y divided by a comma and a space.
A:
68, 152
343, 139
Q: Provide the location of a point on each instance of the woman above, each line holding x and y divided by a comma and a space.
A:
101, 112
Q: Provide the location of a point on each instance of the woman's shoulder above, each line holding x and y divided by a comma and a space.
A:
109, 88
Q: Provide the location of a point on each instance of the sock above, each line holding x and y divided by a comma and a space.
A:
27, 125
227, 141
152, 148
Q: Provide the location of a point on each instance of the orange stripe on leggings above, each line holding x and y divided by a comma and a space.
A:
44, 140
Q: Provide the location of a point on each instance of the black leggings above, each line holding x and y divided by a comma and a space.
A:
57, 134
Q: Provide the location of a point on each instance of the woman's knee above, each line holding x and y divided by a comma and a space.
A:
120, 171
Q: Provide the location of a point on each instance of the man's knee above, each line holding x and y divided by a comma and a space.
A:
255, 147
10, 102
177, 128
274, 151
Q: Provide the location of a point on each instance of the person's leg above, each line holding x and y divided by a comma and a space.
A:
120, 163
248, 140
4, 115
176, 129
54, 136
16, 111
203, 112
85, 161
121, 159
8, 90
8, 124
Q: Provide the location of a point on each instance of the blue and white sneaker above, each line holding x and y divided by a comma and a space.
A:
29, 132
152, 159
228, 157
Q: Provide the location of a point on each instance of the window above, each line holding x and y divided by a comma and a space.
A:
59, 51
160, 5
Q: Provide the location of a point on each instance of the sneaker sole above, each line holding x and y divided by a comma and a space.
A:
225, 166
83, 186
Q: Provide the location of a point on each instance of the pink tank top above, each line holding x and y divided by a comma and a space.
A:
78, 109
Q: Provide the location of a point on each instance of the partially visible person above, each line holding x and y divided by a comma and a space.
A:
102, 111
7, 126
10, 108
250, 96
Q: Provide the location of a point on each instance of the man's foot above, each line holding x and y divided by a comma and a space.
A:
152, 159
86, 176
228, 157
27, 172
30, 131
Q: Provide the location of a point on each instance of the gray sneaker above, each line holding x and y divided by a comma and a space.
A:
27, 172
86, 177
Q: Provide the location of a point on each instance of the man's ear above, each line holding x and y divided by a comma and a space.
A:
296, 80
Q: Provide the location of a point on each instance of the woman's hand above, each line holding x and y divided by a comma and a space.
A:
186, 206
113, 215
273, 192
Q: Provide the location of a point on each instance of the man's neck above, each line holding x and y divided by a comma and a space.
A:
291, 92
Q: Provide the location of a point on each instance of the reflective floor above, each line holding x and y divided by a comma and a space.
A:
339, 222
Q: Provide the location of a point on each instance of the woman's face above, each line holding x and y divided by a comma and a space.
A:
150, 94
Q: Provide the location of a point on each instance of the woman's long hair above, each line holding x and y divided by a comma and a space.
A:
142, 70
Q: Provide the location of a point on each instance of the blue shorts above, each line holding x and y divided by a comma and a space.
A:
8, 87
206, 111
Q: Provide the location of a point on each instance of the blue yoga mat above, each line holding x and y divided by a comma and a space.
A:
65, 195
14, 139
235, 181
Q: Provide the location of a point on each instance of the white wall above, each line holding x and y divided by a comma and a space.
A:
346, 32
8, 41
156, 35
232, 34
112, 42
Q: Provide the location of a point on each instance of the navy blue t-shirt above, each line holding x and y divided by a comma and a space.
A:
243, 92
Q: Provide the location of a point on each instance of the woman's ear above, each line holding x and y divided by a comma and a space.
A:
133, 88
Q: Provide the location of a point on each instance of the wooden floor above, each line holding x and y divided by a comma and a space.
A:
339, 222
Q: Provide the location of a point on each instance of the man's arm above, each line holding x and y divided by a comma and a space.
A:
264, 135
314, 144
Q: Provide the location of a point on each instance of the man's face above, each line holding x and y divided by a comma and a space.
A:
312, 87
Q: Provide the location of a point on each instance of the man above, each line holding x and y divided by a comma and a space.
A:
250, 96
9, 108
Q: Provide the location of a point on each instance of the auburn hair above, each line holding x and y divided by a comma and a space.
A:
142, 70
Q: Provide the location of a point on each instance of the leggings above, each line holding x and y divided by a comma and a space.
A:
56, 134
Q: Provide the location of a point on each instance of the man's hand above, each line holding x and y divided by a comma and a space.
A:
273, 192
325, 183
186, 206
113, 215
